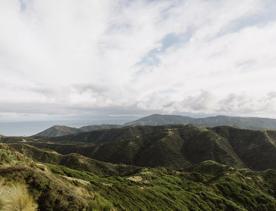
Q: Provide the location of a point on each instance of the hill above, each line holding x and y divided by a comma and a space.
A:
239, 122
158, 119
56, 131
73, 160
208, 185
175, 146
59, 130
252, 123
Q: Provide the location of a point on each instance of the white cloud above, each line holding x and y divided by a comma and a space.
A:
67, 57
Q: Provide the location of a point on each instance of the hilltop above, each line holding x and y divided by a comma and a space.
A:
57, 130
61, 130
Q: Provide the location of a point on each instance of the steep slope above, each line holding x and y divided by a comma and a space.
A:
205, 186
73, 160
25, 182
175, 146
240, 122
255, 148
204, 144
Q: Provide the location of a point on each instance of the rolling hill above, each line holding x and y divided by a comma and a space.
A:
73, 160
166, 167
208, 185
56, 131
175, 146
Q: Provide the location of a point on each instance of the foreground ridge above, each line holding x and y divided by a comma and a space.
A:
205, 186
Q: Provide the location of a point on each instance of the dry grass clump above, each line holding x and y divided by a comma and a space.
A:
135, 179
15, 197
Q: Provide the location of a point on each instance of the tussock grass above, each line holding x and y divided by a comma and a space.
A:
15, 197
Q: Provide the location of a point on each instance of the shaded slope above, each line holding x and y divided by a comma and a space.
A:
255, 148
204, 144
174, 146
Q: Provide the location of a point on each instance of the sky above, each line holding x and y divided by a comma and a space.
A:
92, 60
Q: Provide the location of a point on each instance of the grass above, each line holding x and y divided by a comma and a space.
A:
15, 197
205, 186
208, 186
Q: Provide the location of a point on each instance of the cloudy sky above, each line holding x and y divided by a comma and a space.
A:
73, 59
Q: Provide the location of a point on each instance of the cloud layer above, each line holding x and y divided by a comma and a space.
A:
68, 58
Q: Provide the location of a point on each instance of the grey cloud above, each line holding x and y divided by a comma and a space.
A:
71, 65
231, 104
234, 102
198, 102
33, 108
247, 105
45, 91
99, 89
271, 95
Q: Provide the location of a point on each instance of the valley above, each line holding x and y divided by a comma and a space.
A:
165, 167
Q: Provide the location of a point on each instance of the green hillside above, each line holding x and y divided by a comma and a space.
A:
205, 186
174, 146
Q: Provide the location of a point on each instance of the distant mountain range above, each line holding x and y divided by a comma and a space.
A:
252, 123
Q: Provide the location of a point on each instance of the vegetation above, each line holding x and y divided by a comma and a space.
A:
174, 147
15, 197
205, 186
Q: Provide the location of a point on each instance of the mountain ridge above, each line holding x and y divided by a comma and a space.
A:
253, 123
176, 146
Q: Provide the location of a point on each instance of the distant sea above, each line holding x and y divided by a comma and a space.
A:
31, 128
